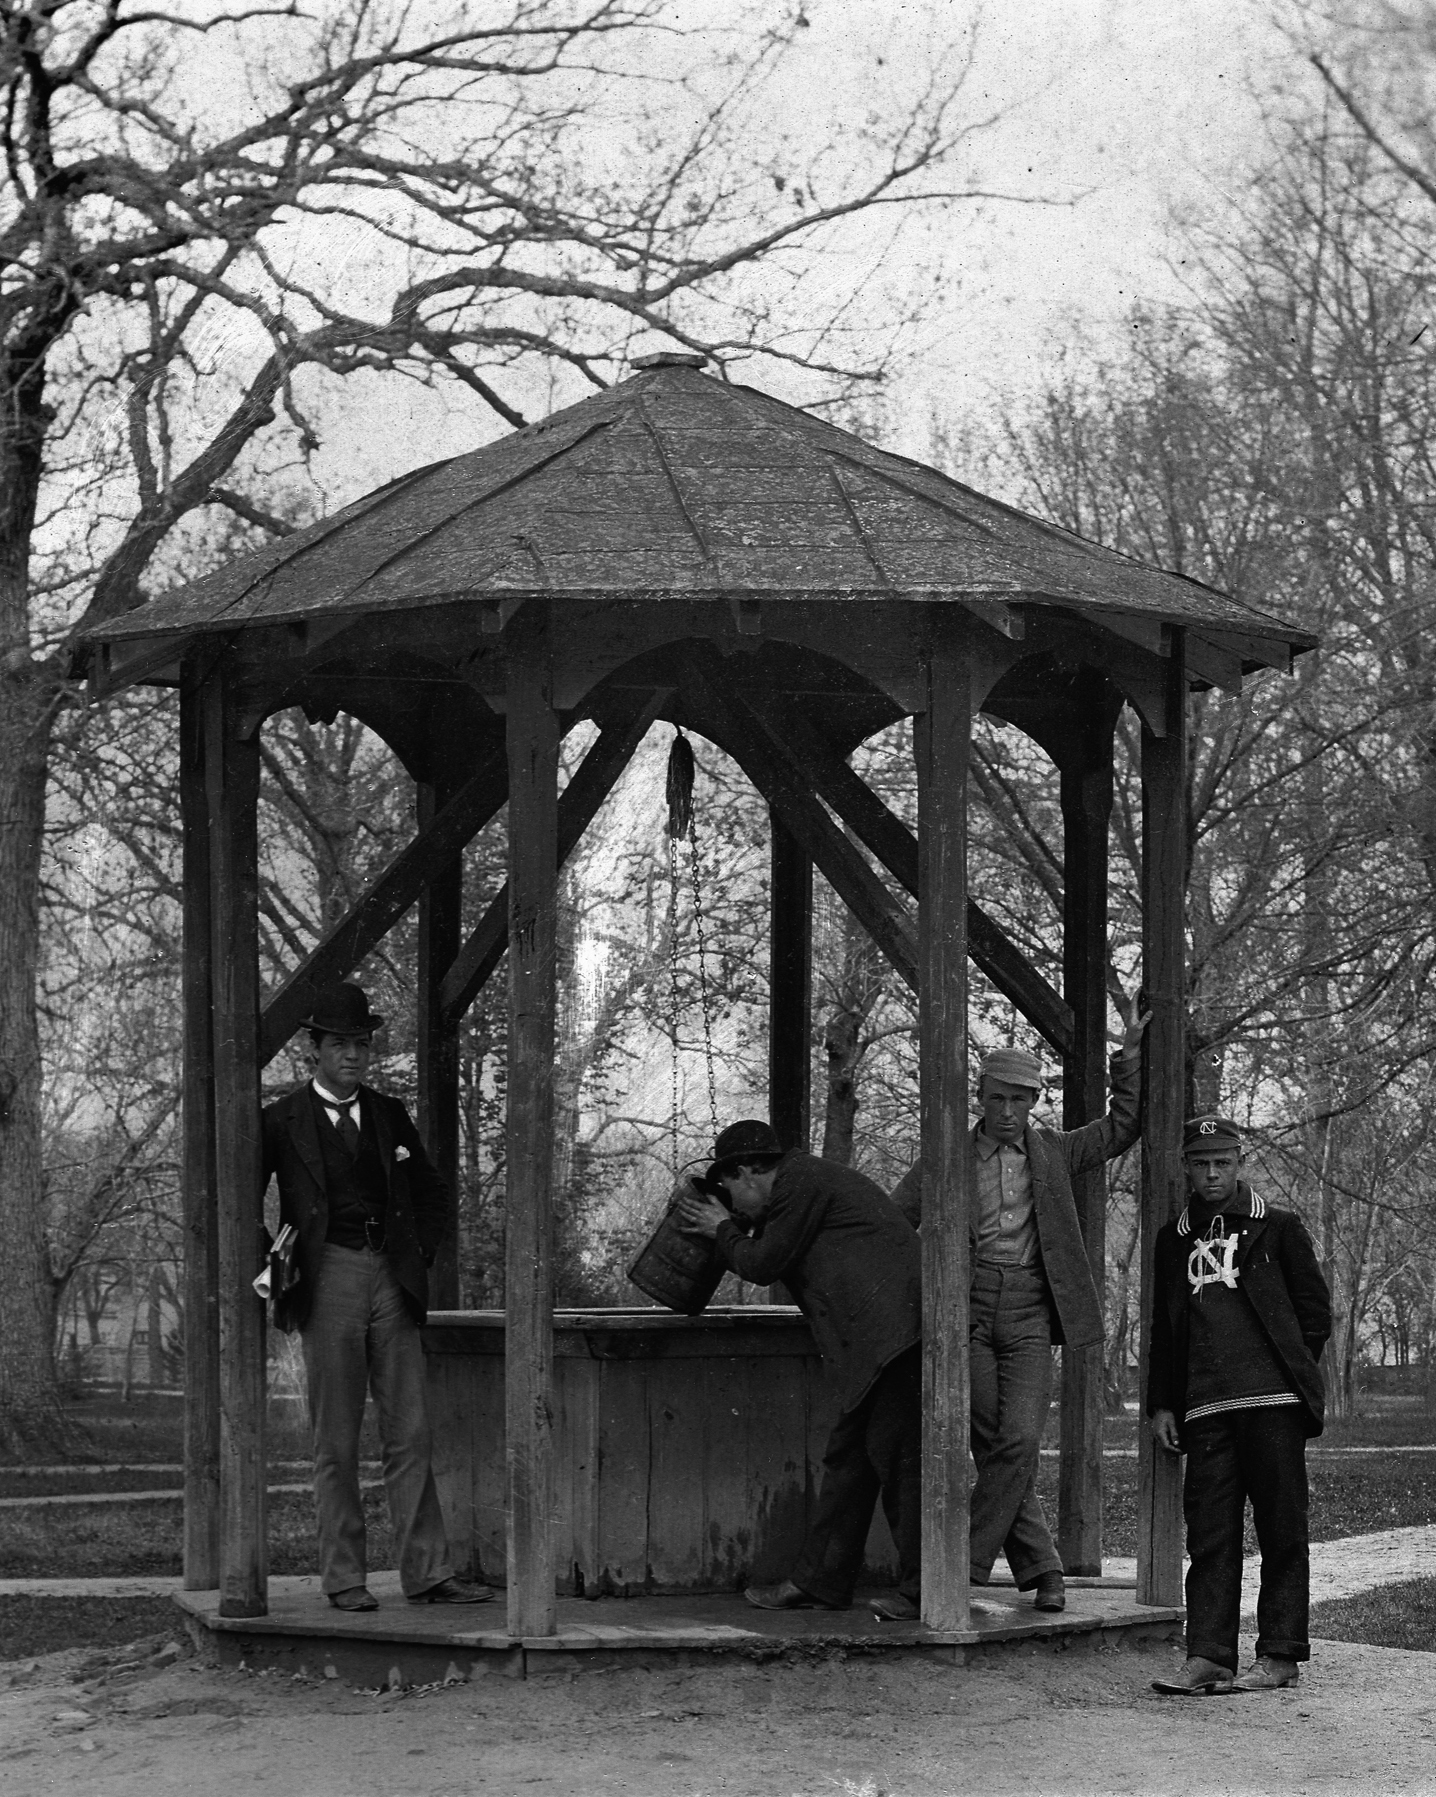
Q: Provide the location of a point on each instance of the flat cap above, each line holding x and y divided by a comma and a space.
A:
1014, 1065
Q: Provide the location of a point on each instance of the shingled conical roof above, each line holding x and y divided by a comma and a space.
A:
677, 484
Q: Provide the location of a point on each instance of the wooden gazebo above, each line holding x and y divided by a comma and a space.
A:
681, 548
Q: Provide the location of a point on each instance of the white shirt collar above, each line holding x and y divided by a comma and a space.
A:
336, 1104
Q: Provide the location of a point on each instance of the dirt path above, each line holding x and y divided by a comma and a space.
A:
94, 1724
1363, 1721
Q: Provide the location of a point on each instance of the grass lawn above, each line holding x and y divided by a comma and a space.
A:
30, 1626
1348, 1497
1391, 1616
127, 1540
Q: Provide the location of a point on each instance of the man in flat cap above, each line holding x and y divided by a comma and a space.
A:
1031, 1288
1240, 1313
852, 1262
370, 1210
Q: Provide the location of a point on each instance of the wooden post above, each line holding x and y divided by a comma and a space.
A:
533, 739
790, 989
231, 776
1164, 845
1086, 775
201, 1240
942, 750
440, 931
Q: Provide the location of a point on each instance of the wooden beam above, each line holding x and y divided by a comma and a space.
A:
231, 777
888, 837
790, 989
532, 739
731, 723
440, 928
386, 901
201, 1239
1085, 764
1164, 844
577, 807
942, 746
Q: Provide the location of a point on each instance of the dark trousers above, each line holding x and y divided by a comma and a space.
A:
361, 1337
876, 1447
1010, 1355
1235, 1455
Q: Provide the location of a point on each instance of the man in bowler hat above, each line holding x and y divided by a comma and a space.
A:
1240, 1313
852, 1263
370, 1210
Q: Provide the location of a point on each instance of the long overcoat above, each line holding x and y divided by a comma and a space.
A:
416, 1214
1055, 1157
1278, 1270
849, 1257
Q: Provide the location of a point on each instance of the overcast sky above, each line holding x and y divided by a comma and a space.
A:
1136, 106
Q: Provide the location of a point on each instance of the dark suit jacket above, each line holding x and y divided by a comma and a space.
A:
415, 1218
1054, 1157
1278, 1270
850, 1259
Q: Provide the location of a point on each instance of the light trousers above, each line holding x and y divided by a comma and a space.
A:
1010, 1352
360, 1338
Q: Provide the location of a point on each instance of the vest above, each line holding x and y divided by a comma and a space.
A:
353, 1185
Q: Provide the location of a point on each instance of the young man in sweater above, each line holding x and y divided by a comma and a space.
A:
1240, 1313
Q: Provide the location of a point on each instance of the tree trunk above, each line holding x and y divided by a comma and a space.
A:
31, 1418
842, 1044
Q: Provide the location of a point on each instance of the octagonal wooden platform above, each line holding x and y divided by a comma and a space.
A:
406, 1644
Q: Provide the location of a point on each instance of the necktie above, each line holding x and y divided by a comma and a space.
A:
348, 1131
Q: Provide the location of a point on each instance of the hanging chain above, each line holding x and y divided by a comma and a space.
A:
673, 998
705, 998
682, 822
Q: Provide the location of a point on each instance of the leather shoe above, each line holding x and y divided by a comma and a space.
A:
892, 1606
1268, 1674
1198, 1678
453, 1591
785, 1595
1051, 1593
357, 1597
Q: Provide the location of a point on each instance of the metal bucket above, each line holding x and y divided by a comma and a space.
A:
681, 1271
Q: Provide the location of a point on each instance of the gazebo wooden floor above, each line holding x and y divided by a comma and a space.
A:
403, 1644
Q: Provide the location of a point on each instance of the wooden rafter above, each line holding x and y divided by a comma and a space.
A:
885, 834
724, 716
577, 807
373, 915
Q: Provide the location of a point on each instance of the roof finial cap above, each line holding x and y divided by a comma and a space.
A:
671, 358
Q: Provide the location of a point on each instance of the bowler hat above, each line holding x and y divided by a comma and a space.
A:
749, 1140
341, 1009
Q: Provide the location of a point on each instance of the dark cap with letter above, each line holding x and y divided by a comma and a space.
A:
1211, 1135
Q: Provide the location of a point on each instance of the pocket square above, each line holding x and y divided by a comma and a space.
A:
401, 1153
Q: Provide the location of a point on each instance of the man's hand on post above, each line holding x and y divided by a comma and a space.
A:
1132, 1035
1164, 1428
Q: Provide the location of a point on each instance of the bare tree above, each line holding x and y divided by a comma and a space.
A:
211, 218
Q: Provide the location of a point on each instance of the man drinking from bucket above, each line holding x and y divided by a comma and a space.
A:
852, 1262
